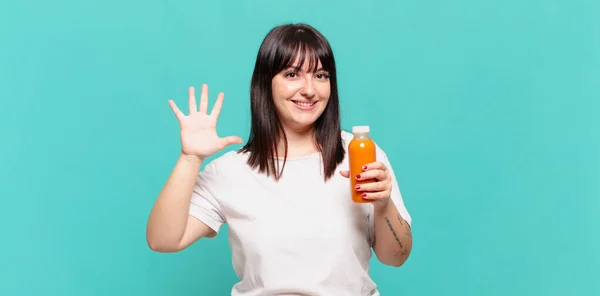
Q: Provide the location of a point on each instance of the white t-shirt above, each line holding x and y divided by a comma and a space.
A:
298, 236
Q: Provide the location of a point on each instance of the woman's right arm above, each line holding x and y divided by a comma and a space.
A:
170, 227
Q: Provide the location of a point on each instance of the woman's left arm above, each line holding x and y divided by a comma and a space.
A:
393, 236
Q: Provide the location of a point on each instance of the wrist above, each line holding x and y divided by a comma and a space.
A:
192, 159
382, 207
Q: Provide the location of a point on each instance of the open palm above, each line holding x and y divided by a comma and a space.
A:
199, 129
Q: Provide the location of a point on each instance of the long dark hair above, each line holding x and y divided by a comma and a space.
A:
278, 51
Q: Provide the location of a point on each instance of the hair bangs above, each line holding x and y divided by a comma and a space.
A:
304, 49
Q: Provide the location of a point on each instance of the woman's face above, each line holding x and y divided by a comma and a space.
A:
300, 96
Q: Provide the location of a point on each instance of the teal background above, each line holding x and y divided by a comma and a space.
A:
489, 111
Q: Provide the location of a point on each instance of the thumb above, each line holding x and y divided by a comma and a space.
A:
232, 140
345, 173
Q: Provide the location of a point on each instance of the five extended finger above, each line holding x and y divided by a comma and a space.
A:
218, 105
192, 100
204, 99
176, 110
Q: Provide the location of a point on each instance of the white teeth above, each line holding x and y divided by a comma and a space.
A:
303, 104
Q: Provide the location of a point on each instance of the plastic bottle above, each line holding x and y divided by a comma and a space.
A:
361, 151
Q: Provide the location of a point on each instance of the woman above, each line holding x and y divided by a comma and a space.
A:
293, 228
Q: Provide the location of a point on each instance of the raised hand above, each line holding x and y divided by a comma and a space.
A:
199, 129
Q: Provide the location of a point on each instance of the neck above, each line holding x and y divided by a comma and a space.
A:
300, 143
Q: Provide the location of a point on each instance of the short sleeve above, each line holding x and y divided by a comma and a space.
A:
396, 196
204, 204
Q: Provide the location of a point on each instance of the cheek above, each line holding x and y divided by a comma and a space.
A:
324, 91
291, 87
276, 89
283, 90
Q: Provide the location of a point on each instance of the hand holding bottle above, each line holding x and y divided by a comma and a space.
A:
369, 178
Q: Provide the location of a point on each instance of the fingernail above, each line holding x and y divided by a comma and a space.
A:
364, 195
365, 168
357, 186
358, 176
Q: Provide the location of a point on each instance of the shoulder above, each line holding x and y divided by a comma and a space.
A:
346, 137
224, 163
231, 158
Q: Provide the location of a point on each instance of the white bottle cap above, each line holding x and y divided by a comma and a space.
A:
360, 129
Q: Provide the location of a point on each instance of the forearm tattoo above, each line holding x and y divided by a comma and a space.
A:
394, 232
403, 250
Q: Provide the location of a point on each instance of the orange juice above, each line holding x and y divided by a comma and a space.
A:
361, 151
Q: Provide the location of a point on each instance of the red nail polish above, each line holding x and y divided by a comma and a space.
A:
364, 195
365, 168
358, 176
357, 186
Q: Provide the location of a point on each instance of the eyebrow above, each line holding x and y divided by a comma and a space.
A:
298, 68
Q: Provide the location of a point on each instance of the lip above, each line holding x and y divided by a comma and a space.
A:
305, 108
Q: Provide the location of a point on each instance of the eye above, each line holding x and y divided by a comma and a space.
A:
291, 74
323, 76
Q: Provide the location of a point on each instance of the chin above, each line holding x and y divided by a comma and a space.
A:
304, 123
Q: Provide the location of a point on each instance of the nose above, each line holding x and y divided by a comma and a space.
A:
308, 89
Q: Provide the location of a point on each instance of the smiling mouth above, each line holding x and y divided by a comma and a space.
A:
305, 104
